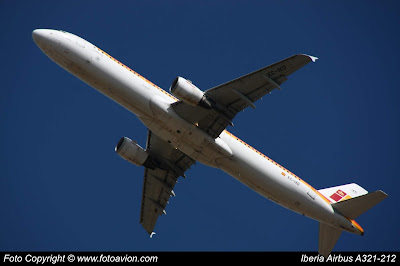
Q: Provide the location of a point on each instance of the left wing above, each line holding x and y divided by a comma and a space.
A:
232, 97
159, 182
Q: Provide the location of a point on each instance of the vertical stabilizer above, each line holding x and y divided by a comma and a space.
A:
343, 192
328, 236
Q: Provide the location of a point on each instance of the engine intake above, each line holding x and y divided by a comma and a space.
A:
133, 153
184, 90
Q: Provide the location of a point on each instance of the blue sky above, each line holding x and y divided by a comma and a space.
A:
62, 187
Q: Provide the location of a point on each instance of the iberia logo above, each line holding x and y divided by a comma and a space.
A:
338, 195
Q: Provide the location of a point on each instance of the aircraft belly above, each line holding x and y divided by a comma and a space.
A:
117, 83
199, 152
270, 181
182, 135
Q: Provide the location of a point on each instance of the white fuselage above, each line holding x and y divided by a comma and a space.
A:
152, 105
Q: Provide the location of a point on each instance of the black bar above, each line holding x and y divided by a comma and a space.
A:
239, 258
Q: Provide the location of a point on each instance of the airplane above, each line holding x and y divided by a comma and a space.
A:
188, 125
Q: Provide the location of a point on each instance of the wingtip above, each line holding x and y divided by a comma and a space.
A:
384, 194
313, 58
152, 234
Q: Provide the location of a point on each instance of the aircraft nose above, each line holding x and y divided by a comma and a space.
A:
39, 36
44, 38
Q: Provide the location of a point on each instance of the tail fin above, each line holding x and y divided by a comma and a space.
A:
328, 236
343, 192
351, 201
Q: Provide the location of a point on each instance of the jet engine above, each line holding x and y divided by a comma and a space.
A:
133, 153
184, 90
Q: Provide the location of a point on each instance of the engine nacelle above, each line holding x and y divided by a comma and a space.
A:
184, 90
132, 152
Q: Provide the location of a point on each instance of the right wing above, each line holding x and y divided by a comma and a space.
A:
230, 98
159, 182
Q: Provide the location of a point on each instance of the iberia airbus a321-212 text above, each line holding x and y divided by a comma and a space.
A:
189, 125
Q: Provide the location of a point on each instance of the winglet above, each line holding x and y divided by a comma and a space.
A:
313, 58
152, 234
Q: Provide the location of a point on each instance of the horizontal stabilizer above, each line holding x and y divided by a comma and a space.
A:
328, 236
354, 207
